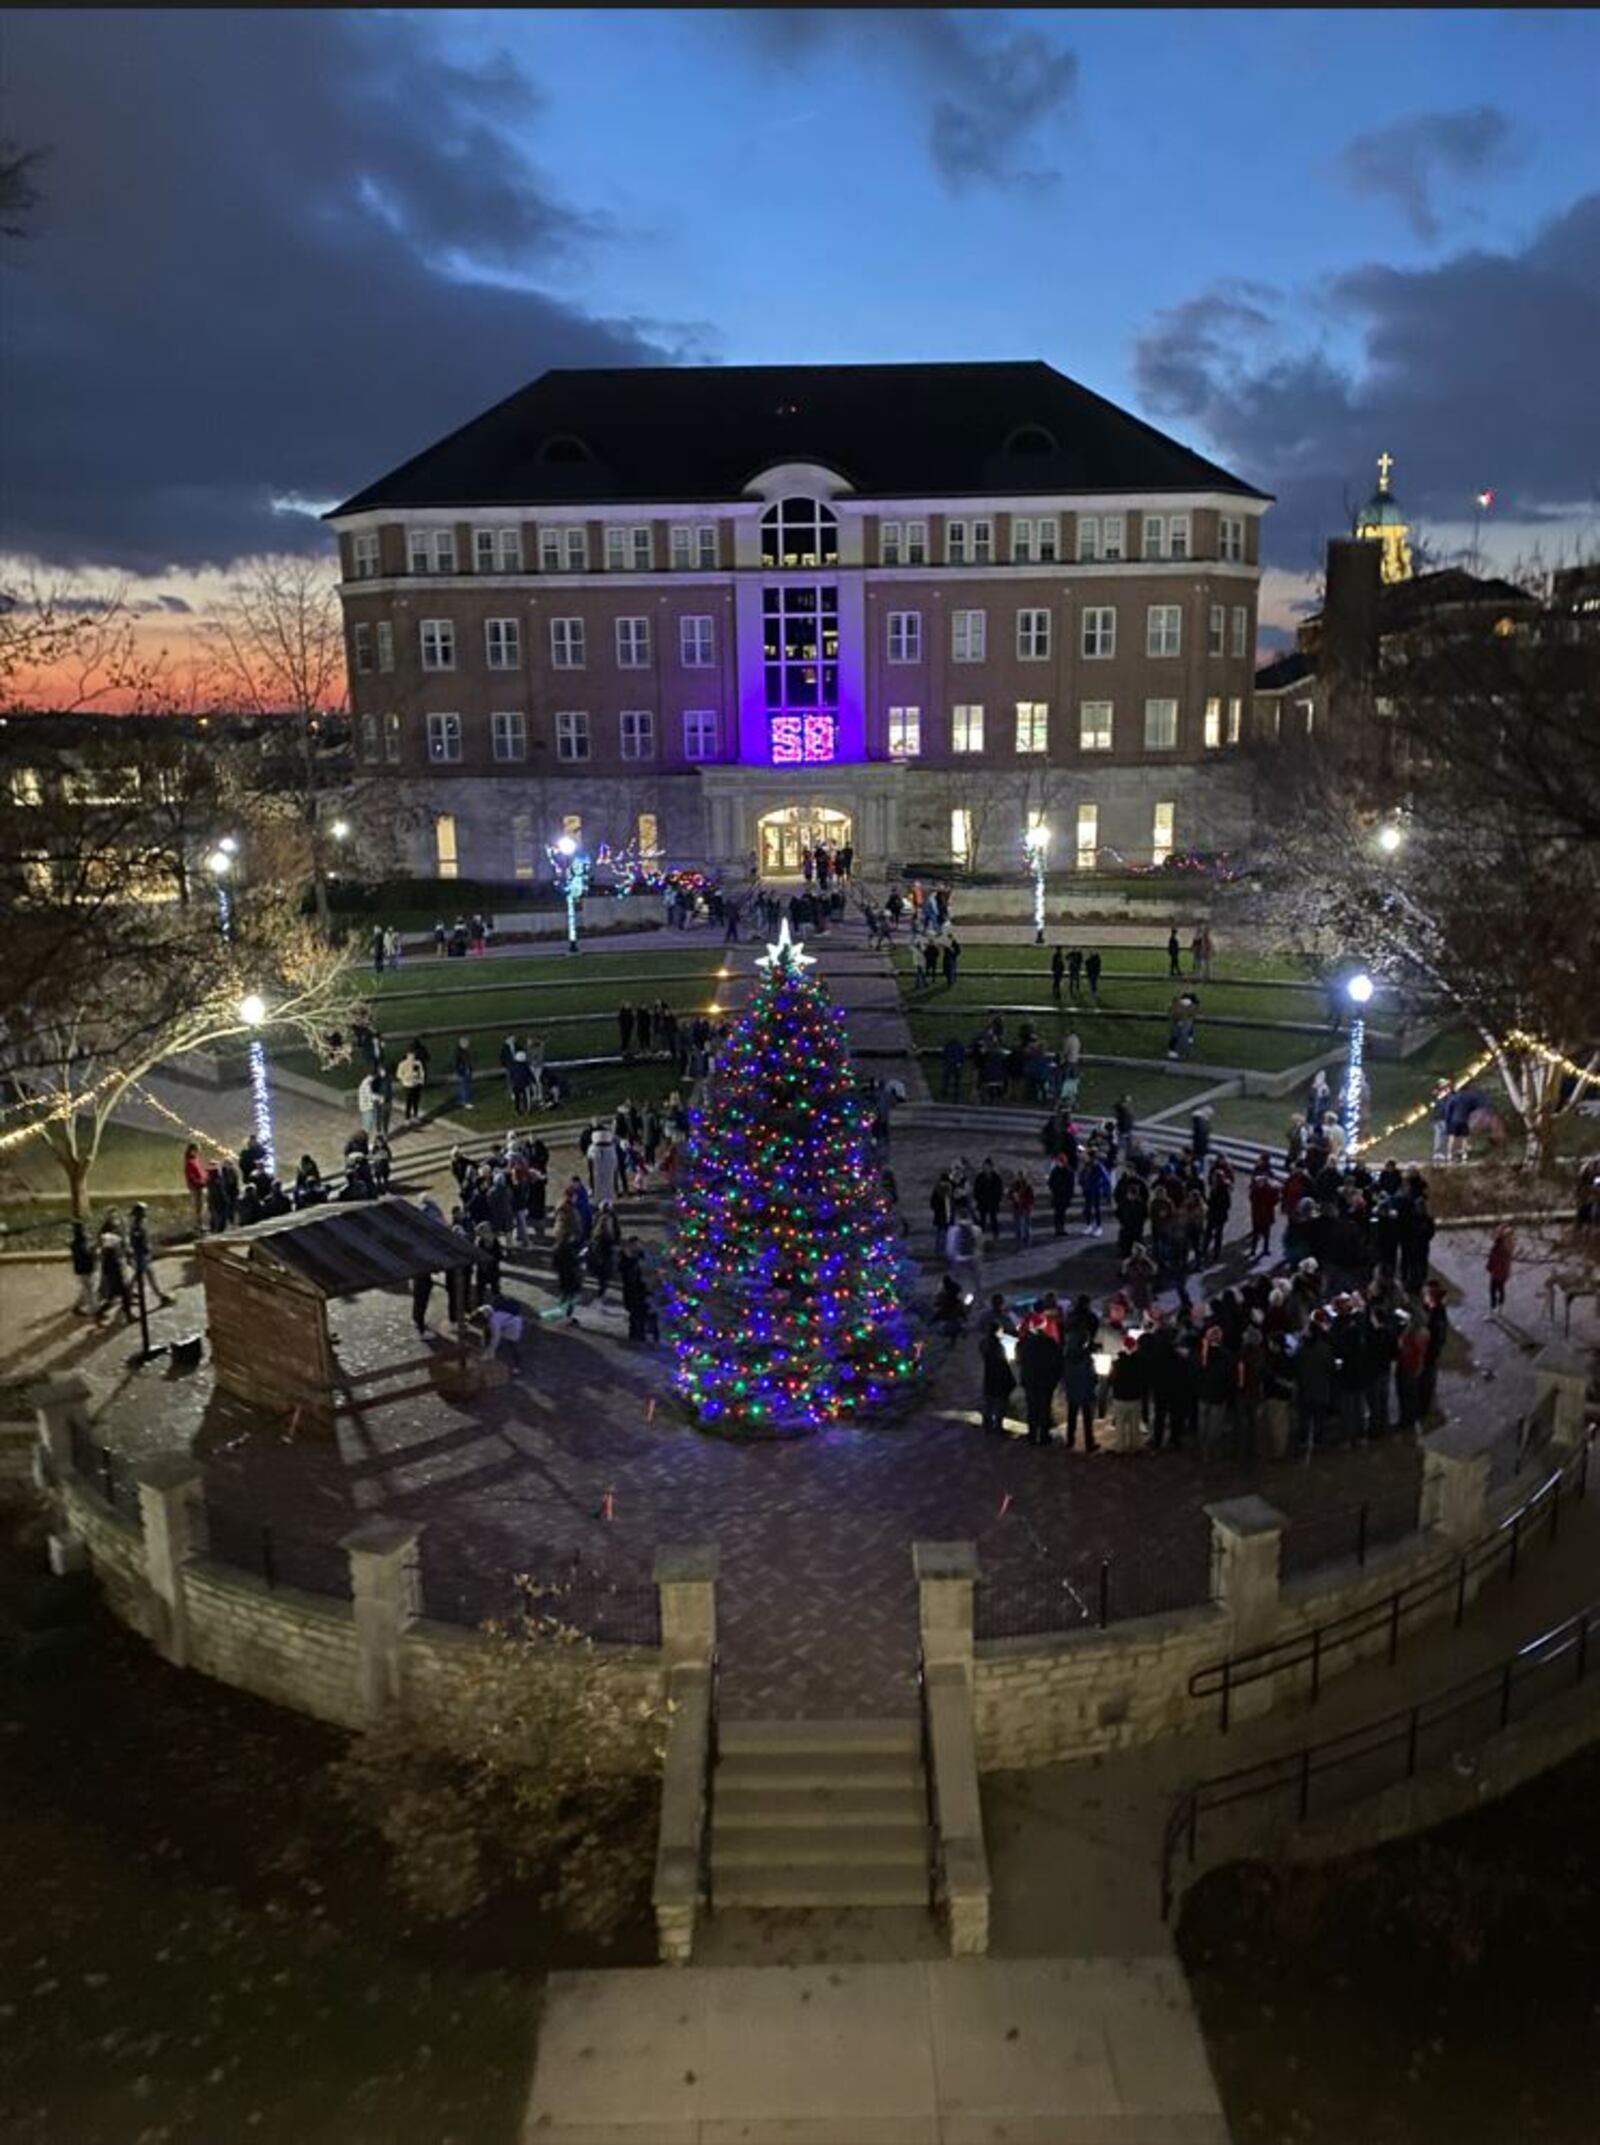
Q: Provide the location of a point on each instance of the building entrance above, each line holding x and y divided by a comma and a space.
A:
787, 835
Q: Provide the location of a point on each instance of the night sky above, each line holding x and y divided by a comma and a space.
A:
279, 252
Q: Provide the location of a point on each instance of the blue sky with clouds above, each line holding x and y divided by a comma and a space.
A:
278, 252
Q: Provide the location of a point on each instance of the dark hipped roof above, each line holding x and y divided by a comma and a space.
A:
341, 1250
1283, 671
703, 432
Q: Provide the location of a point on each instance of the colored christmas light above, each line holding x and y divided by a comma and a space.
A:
783, 1293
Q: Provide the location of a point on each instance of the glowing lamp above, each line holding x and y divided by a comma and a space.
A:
566, 845
253, 1009
1389, 839
340, 830
219, 863
229, 845
1359, 988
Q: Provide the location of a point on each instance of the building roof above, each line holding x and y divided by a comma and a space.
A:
1285, 670
341, 1250
687, 433
1406, 603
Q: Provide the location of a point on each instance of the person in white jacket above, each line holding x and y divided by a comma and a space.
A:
603, 1165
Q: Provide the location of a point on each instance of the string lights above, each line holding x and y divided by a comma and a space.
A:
782, 1292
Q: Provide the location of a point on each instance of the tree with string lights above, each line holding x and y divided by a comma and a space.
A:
783, 1298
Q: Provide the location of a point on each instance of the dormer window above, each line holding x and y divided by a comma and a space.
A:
799, 533
564, 447
1032, 439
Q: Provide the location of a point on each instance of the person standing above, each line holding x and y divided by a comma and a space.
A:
113, 1271
194, 1177
1498, 1265
999, 1379
367, 1104
139, 1248
412, 1075
463, 1073
1078, 1376
1437, 1319
951, 957
421, 1290
1062, 1183
1022, 1200
1039, 1366
83, 1270
988, 1189
1174, 953
1128, 1369
625, 1024
1091, 969
1074, 972
1264, 1193
1095, 1186
1058, 970
380, 946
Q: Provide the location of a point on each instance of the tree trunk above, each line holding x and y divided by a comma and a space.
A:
77, 1167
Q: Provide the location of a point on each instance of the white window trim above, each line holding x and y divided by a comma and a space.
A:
1098, 613
1034, 726
693, 741
689, 643
1097, 739
1217, 629
966, 727
905, 733
443, 632
1171, 617
1161, 700
438, 728
629, 629
1033, 628
1241, 629
512, 724
974, 626
642, 745
366, 555
564, 640
511, 640
576, 722
906, 628
1211, 728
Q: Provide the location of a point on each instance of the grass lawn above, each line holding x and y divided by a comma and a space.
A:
34, 1207
963, 1010
1142, 961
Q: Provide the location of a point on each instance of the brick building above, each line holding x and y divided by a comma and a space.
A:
725, 612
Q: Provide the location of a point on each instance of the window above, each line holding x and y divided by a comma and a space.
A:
1235, 719
905, 733
1241, 628
385, 644
966, 727
696, 643
365, 561
633, 643
1155, 535
502, 643
1099, 632
1217, 630
905, 636
497, 550
1161, 834
1094, 726
1163, 629
961, 835
1230, 537
563, 550
1035, 542
433, 551
1033, 635
969, 543
969, 636
371, 748
1088, 842
638, 734
903, 543
391, 737
522, 858
508, 734
695, 550
1033, 725
628, 549
444, 737
648, 835
800, 651
572, 734
572, 823
1213, 724
1178, 536
447, 864
1160, 725
1100, 536
361, 647
798, 533
699, 733
438, 644
566, 643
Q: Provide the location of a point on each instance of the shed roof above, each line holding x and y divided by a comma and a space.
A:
341, 1250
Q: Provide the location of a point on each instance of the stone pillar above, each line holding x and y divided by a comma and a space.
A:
946, 1575
57, 1403
1246, 1536
1561, 1383
1455, 1482
172, 1511
384, 1587
686, 1578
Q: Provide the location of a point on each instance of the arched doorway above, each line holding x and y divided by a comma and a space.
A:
787, 835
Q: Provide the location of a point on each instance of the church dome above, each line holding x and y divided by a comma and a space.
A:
1382, 511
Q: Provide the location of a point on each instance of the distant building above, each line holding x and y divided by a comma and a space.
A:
730, 613
1382, 522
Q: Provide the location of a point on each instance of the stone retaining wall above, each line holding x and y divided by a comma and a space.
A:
294, 1649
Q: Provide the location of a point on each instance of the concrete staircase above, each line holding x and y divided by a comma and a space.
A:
818, 1813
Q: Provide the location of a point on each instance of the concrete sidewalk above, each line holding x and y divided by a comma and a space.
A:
956, 2052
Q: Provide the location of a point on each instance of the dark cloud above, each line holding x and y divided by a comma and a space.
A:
1406, 161
257, 277
992, 88
1476, 371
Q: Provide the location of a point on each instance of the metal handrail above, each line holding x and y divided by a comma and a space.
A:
1296, 1770
709, 1788
1453, 1573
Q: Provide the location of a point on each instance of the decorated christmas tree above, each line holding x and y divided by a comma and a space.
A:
782, 1294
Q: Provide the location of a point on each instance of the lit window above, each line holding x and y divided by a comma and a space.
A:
699, 733
966, 727
1213, 724
1033, 636
444, 737
438, 644
502, 641
638, 734
905, 636
566, 643
385, 644
497, 550
1099, 632
447, 864
1094, 726
1230, 538
969, 636
1160, 725
572, 734
1088, 841
696, 643
1217, 630
905, 733
509, 733
648, 835
633, 643
799, 532
365, 561
961, 835
361, 645
1164, 629
433, 551
1235, 720
1241, 629
800, 652
1161, 834
1033, 725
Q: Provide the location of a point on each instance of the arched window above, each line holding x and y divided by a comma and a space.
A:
564, 447
1031, 439
798, 533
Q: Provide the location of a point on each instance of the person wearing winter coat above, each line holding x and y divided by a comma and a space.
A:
1215, 1386
412, 1076
1022, 1201
139, 1248
988, 1190
83, 1268
999, 1380
1096, 1189
604, 1245
194, 1177
1411, 1363
1314, 1383
1079, 1380
1264, 1195
603, 1165
1498, 1266
1128, 1387
114, 1286
1039, 1366
1062, 1182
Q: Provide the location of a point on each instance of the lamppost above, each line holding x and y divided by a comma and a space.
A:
1358, 989
252, 1007
573, 868
1035, 842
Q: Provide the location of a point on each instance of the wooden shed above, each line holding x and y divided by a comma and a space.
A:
268, 1289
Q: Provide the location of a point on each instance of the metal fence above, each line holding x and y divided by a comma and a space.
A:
1349, 1534
105, 1471
1092, 1591
279, 1556
618, 1607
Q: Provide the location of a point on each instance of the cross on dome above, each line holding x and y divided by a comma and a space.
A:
784, 952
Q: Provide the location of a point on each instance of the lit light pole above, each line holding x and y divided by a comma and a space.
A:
1358, 989
252, 1008
573, 868
1035, 843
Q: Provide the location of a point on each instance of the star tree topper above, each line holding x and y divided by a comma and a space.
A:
785, 953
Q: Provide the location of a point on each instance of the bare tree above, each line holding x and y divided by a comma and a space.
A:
69, 651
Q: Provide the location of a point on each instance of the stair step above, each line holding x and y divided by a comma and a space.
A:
737, 1807
828, 1847
812, 1737
766, 1771
891, 1886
